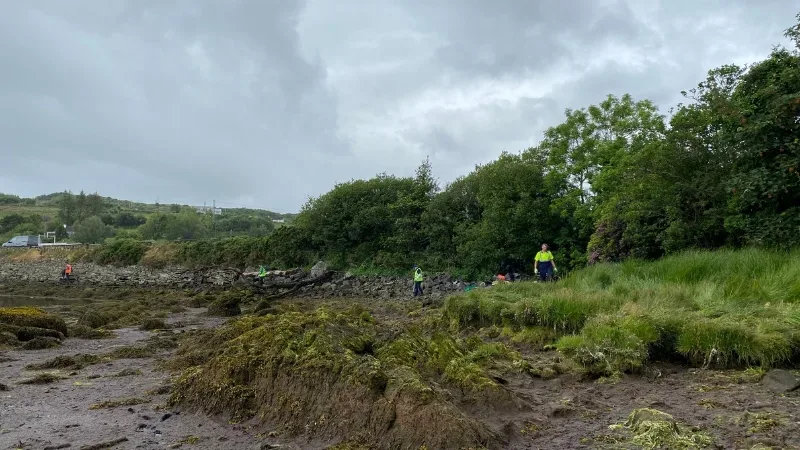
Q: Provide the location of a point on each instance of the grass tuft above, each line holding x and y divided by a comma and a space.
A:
714, 309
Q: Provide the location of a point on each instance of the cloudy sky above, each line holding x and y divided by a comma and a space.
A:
264, 103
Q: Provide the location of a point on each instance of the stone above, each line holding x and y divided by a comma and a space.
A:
319, 268
780, 381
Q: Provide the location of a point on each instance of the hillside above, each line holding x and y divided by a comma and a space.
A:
103, 217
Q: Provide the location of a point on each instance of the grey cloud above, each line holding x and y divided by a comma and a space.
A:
228, 119
264, 103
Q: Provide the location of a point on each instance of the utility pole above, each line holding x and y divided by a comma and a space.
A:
214, 218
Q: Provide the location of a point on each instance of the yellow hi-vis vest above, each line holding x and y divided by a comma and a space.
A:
418, 275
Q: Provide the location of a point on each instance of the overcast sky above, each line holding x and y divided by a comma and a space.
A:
264, 103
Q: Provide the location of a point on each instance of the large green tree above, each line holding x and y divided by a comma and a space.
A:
764, 132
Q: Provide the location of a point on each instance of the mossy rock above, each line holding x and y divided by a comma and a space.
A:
153, 324
25, 316
201, 300
93, 319
42, 378
335, 364
74, 362
6, 328
8, 340
28, 333
85, 332
41, 343
224, 309
228, 303
264, 307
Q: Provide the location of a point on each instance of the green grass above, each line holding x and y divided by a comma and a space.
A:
723, 309
26, 210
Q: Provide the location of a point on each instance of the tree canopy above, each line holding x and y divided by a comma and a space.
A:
615, 180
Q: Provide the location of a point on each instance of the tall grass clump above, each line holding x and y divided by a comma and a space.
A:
713, 308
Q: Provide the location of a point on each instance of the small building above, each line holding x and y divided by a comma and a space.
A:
208, 209
278, 220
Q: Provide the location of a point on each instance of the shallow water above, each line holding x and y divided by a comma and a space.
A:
26, 300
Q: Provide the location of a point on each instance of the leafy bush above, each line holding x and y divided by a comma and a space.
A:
121, 252
92, 230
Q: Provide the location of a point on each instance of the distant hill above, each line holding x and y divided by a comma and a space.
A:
110, 216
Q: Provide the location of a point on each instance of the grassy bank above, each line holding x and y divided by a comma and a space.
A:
722, 308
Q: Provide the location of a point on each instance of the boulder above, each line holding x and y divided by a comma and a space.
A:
319, 268
780, 381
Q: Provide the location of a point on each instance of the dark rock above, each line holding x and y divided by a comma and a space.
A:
3, 387
130, 410
781, 381
166, 416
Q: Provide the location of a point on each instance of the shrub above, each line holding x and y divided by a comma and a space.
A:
121, 252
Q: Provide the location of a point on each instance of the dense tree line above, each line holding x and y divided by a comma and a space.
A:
613, 181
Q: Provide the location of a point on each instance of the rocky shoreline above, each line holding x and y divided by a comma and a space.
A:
338, 284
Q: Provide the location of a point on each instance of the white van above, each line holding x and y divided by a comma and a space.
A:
22, 241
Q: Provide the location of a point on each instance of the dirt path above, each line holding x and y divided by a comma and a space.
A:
49, 415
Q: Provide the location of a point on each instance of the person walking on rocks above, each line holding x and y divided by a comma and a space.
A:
65, 274
418, 279
544, 264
